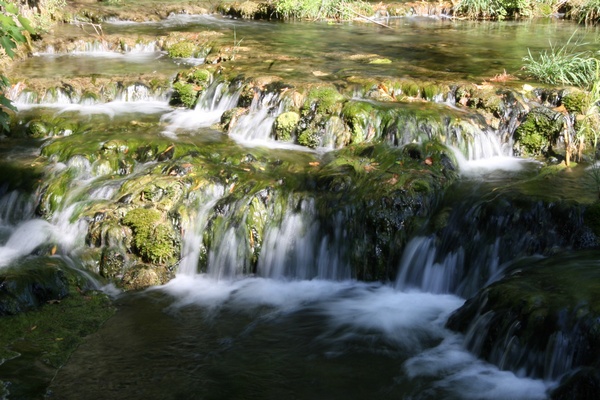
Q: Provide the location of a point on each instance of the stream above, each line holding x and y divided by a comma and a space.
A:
293, 321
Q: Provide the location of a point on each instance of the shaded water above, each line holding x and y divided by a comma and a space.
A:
302, 327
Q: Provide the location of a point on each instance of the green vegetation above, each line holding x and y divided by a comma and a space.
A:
185, 94
323, 9
586, 11
153, 239
40, 341
495, 9
538, 132
565, 65
12, 26
182, 50
285, 125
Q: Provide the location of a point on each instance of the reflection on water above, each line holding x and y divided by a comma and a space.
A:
417, 47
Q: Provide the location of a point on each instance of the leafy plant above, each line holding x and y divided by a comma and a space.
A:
12, 25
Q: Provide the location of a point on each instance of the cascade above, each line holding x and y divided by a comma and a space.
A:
499, 230
216, 99
257, 124
269, 261
194, 229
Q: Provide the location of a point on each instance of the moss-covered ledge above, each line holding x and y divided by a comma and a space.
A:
541, 319
46, 310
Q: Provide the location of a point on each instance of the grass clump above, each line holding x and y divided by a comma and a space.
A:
495, 9
586, 11
323, 9
565, 65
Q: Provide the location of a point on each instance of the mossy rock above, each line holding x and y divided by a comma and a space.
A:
547, 305
30, 285
112, 263
310, 137
183, 49
37, 129
184, 94
36, 342
154, 240
54, 193
575, 101
358, 114
230, 117
285, 125
248, 10
325, 100
538, 132
142, 276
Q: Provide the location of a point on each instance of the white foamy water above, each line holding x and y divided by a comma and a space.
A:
457, 371
404, 322
194, 230
212, 104
24, 239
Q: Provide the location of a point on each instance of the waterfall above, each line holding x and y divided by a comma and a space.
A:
296, 247
194, 231
499, 230
216, 99
257, 124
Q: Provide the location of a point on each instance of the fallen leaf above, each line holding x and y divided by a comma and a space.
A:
393, 180
320, 73
371, 167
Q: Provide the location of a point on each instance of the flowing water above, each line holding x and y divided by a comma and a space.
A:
300, 327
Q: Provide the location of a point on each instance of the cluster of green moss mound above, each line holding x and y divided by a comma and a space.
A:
154, 241
189, 85
538, 132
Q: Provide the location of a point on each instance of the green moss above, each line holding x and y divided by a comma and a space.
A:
575, 101
200, 76
538, 132
34, 344
410, 89
310, 138
183, 49
37, 129
357, 115
185, 94
285, 125
154, 240
55, 191
327, 100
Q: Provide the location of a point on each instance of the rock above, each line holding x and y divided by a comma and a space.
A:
285, 125
542, 320
33, 283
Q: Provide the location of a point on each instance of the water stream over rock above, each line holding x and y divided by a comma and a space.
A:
276, 232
